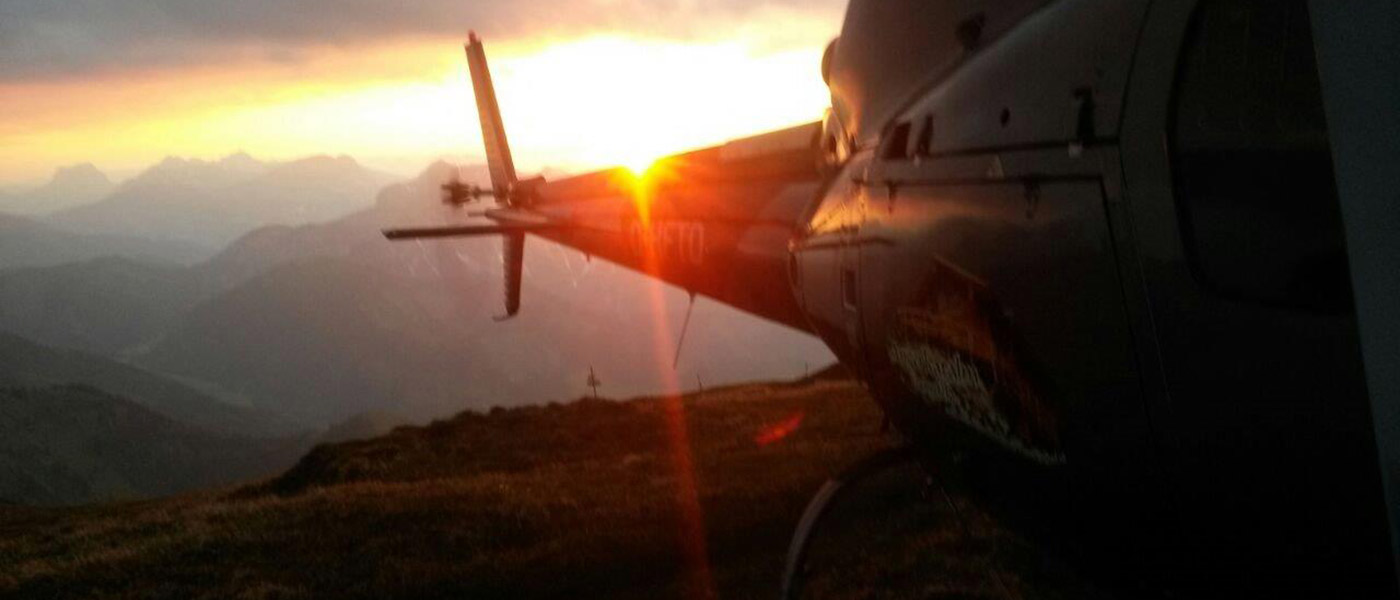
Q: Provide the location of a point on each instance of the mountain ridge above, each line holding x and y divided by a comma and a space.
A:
213, 202
69, 186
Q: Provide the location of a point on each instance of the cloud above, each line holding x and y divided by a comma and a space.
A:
48, 39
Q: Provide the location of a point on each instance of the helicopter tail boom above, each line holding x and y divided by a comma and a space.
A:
714, 221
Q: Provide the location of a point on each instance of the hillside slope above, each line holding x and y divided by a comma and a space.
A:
69, 444
26, 364
575, 501
25, 242
104, 306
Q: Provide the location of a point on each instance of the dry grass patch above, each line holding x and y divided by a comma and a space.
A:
578, 500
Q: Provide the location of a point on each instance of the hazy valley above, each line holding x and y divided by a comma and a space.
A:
307, 320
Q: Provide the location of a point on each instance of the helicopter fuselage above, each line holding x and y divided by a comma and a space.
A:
1107, 243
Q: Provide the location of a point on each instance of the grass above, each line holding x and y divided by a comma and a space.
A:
562, 501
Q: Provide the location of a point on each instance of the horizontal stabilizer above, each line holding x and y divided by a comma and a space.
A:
463, 231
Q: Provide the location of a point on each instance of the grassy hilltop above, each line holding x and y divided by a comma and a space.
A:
576, 500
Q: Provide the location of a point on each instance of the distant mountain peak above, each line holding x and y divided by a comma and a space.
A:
72, 185
325, 160
440, 171
170, 167
243, 162
174, 162
79, 175
324, 168
409, 194
238, 162
202, 173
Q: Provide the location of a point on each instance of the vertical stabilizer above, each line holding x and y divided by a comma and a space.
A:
513, 253
493, 131
502, 167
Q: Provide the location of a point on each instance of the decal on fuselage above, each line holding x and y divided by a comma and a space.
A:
957, 356
680, 242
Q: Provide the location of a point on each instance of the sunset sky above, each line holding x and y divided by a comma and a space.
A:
582, 84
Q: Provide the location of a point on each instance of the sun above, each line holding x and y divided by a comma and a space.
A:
639, 165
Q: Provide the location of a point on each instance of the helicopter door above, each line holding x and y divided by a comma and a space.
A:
1242, 251
1015, 283
828, 259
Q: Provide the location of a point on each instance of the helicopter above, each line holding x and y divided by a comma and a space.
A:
1115, 260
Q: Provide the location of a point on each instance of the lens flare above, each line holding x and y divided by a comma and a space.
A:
639, 166
778, 431
692, 519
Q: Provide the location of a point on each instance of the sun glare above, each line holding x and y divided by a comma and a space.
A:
610, 101
569, 105
638, 165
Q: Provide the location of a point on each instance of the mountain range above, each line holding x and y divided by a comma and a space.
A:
322, 322
213, 203
180, 211
325, 326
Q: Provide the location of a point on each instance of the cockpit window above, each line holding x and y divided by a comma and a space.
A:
836, 144
1253, 170
923, 144
895, 145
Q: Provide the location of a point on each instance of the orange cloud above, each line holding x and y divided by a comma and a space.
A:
570, 103
56, 39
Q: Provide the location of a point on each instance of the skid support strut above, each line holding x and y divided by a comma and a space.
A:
821, 504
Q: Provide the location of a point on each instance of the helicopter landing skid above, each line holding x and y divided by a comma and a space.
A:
821, 504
